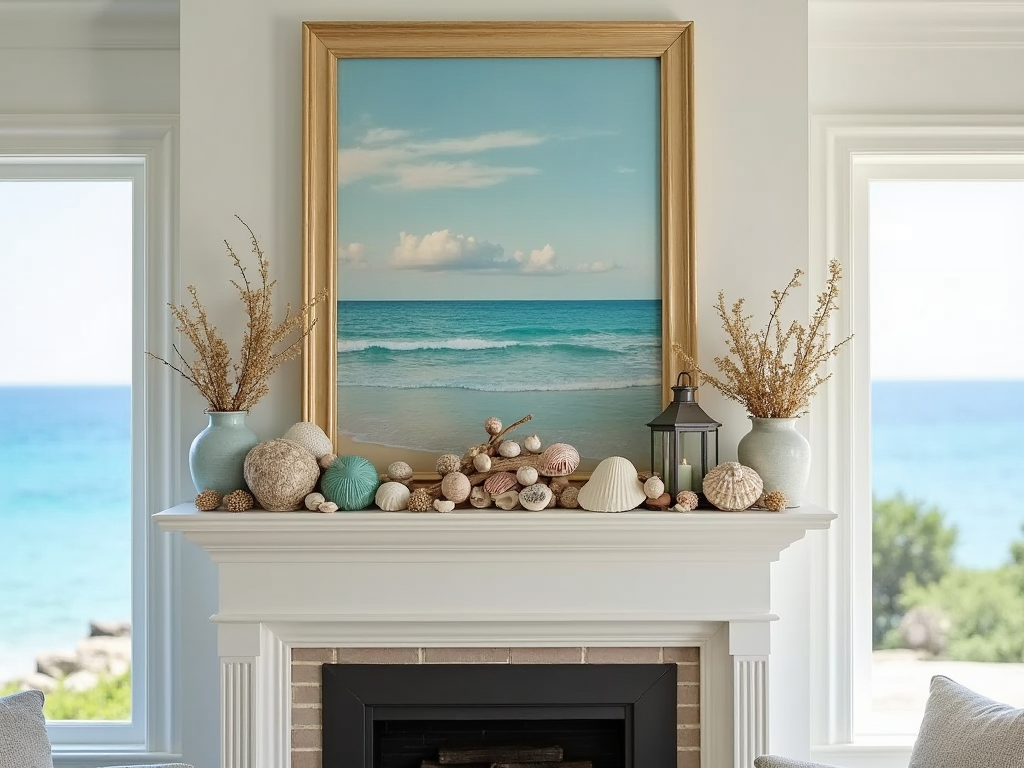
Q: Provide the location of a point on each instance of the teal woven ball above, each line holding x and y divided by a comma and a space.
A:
350, 482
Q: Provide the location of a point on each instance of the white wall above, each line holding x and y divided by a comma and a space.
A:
241, 102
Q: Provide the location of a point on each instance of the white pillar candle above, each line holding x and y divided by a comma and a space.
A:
685, 477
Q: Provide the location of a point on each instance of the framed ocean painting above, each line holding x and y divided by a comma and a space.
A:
502, 214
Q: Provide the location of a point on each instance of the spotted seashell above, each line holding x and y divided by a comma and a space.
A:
532, 443
732, 487
455, 486
654, 487
479, 498
499, 482
482, 462
507, 500
447, 462
535, 497
509, 449
392, 496
444, 505
350, 482
311, 437
526, 475
492, 425
558, 460
400, 471
613, 487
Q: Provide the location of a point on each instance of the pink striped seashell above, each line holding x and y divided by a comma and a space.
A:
558, 460
499, 482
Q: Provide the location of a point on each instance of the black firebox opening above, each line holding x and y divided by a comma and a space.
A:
400, 716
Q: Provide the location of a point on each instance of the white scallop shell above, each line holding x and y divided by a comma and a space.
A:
535, 497
558, 460
399, 470
314, 500
613, 487
311, 437
509, 449
443, 505
532, 443
479, 498
526, 475
654, 487
482, 462
507, 500
500, 482
455, 486
392, 496
732, 487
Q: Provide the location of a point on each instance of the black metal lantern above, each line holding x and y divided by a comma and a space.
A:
681, 450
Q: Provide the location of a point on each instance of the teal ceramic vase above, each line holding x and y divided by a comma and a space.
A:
779, 454
217, 456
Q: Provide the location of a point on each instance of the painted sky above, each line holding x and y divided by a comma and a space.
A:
946, 270
65, 282
499, 178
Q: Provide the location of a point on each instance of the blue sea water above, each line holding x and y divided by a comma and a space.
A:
65, 490
959, 446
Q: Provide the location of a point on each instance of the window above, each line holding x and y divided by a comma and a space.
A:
86, 435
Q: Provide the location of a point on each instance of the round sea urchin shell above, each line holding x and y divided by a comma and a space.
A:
732, 487
447, 462
280, 474
455, 487
350, 482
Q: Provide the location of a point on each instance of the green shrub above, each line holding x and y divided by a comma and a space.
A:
111, 699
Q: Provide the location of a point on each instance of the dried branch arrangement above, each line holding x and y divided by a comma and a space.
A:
766, 378
229, 386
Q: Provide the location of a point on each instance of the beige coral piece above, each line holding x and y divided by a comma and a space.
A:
280, 474
732, 487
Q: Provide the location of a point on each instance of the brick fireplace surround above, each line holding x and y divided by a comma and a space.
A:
306, 697
297, 590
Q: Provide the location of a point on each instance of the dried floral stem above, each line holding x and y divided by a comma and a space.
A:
765, 378
228, 386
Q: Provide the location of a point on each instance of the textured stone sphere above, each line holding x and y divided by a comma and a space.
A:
311, 437
280, 473
350, 482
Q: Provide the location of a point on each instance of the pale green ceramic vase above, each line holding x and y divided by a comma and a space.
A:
217, 456
779, 454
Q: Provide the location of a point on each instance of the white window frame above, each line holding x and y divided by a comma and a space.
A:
847, 153
144, 150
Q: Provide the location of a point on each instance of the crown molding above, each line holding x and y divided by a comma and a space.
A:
915, 24
89, 24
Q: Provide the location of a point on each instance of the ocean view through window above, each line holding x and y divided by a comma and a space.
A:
66, 363
946, 258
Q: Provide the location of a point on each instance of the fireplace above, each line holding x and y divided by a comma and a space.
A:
297, 590
408, 716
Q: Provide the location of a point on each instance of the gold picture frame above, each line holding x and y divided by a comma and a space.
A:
325, 43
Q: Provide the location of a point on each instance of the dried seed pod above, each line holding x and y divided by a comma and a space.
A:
420, 501
774, 501
239, 501
208, 500
447, 462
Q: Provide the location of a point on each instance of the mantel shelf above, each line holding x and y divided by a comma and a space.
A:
641, 534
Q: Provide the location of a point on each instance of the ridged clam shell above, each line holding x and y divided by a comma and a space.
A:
392, 497
350, 482
654, 487
399, 470
732, 487
613, 487
455, 486
526, 475
535, 497
499, 482
509, 449
559, 459
311, 437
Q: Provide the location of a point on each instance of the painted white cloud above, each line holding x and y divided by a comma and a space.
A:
444, 250
597, 266
625, 169
396, 162
352, 255
538, 260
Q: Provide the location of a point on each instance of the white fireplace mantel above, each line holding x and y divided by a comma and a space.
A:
481, 579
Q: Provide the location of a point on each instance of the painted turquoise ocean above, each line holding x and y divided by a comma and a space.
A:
65, 478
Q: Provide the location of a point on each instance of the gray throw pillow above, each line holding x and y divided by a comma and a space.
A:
23, 739
962, 728
774, 761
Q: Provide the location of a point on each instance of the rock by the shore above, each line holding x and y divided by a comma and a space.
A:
106, 652
110, 629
